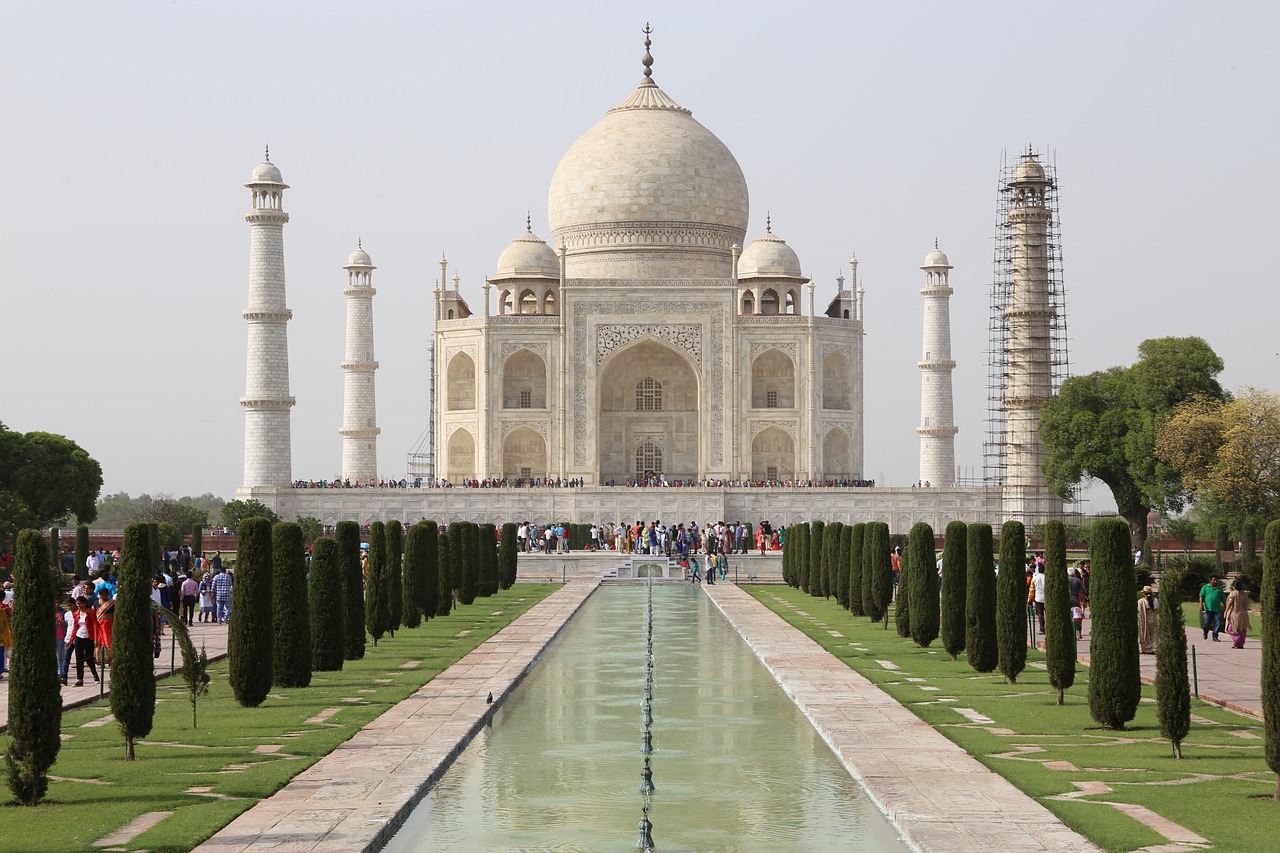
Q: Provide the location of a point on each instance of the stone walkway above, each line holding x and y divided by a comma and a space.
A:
355, 798
935, 793
211, 635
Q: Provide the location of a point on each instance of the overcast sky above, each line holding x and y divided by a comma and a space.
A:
130, 129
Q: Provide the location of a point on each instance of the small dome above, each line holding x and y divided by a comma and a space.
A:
359, 258
936, 258
266, 173
1029, 169
528, 256
769, 256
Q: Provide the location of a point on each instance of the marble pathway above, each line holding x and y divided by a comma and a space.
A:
937, 795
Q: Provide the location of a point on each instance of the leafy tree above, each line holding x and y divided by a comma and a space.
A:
507, 555
1114, 668
1183, 531
170, 538
377, 595
877, 567
250, 652
14, 516
902, 602
234, 512
1222, 544
447, 573
1271, 649
1011, 601
55, 549
347, 536
858, 588
487, 543
119, 509
1249, 555
924, 585
290, 614
1103, 426
816, 537
1173, 689
46, 479
195, 667
325, 601
981, 643
842, 566
35, 697
133, 680
312, 528
429, 556
395, 580
1059, 627
955, 570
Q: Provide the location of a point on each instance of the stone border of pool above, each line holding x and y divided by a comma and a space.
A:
355, 798
938, 796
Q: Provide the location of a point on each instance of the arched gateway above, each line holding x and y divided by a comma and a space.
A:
648, 414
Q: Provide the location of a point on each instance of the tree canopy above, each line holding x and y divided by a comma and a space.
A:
45, 479
234, 512
121, 510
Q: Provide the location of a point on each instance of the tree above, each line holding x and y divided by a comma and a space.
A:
444, 594
842, 566
830, 552
1271, 648
1173, 689
924, 585
955, 570
902, 602
46, 479
133, 680
347, 537
429, 553
466, 560
508, 557
981, 641
858, 590
1103, 426
249, 637
1011, 601
877, 570
55, 549
234, 512
414, 557
377, 595
1222, 544
312, 528
1183, 531
324, 599
35, 697
1059, 627
1114, 668
153, 543
197, 540
290, 614
798, 539
82, 548
487, 543
170, 538
1249, 554
817, 536
395, 580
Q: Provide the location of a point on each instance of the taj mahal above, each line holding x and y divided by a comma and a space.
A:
656, 359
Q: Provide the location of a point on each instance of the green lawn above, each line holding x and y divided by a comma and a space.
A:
1220, 789
208, 776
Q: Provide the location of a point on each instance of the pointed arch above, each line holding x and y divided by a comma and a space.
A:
461, 387
524, 454
837, 382
524, 381
462, 455
837, 455
773, 455
773, 380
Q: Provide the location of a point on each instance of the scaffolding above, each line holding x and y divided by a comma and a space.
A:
422, 458
999, 355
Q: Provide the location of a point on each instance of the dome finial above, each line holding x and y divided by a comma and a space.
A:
528, 221
935, 242
768, 222
267, 154
647, 62
360, 243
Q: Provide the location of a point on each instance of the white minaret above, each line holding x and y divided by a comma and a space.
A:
937, 420
266, 399
359, 413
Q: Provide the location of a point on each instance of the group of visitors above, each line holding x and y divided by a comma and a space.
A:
657, 481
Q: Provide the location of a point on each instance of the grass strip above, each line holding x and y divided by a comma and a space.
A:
208, 776
1220, 790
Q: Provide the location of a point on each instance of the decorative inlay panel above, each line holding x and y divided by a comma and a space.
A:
509, 348
540, 427
791, 428
759, 347
684, 336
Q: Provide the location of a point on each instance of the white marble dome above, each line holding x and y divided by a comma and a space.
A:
266, 173
527, 256
936, 258
769, 256
359, 258
1029, 169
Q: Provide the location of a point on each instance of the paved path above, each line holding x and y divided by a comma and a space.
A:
211, 635
356, 797
937, 795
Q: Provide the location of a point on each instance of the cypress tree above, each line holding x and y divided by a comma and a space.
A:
445, 589
925, 605
395, 579
830, 551
798, 540
429, 557
197, 541
980, 643
347, 536
817, 536
82, 549
466, 559
1173, 688
1114, 668
902, 601
133, 680
324, 594
413, 572
377, 600
1011, 600
290, 613
857, 533
249, 637
1059, 629
153, 537
35, 697
507, 555
955, 571
1271, 649
55, 548
842, 566
877, 567
487, 542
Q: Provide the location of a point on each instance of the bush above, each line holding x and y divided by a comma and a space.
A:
877, 571
858, 591
377, 601
1193, 572
249, 637
290, 614
487, 545
35, 697
1271, 648
429, 558
447, 573
924, 585
1173, 689
347, 536
324, 595
954, 582
902, 601
830, 554
395, 580
133, 681
462, 542
842, 566
1011, 600
816, 537
412, 581
981, 641
1114, 667
507, 556
1059, 627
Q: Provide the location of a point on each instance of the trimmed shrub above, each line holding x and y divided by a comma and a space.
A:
197, 541
1114, 665
788, 575
55, 549
395, 579
156, 562
35, 697
462, 535
980, 643
82, 550
878, 571
507, 556
324, 595
133, 680
1173, 687
830, 553
1011, 600
377, 596
347, 536
817, 537
445, 595
857, 590
487, 545
412, 580
801, 557
1059, 629
290, 611
902, 600
249, 637
842, 566
924, 585
955, 570
1271, 649
429, 568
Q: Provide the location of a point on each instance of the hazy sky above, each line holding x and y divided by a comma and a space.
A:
130, 129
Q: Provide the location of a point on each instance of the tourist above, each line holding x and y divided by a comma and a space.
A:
83, 630
221, 596
60, 637
6, 635
1147, 606
190, 592
1211, 601
1037, 594
1237, 614
206, 598
105, 619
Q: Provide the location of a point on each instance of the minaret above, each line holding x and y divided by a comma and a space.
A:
359, 413
266, 399
937, 428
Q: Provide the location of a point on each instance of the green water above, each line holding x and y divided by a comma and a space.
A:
736, 766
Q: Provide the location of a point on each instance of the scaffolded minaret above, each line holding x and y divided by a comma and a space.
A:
937, 428
266, 399
359, 412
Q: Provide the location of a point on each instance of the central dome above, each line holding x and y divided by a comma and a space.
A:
648, 193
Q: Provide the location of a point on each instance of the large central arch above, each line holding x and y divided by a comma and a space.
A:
648, 395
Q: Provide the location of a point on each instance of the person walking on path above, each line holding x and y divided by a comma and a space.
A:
1147, 606
1237, 615
221, 597
190, 595
81, 639
1212, 598
1035, 595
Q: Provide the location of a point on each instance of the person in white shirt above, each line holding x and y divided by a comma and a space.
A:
1037, 592
91, 563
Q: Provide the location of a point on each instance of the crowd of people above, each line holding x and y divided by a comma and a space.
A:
656, 481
